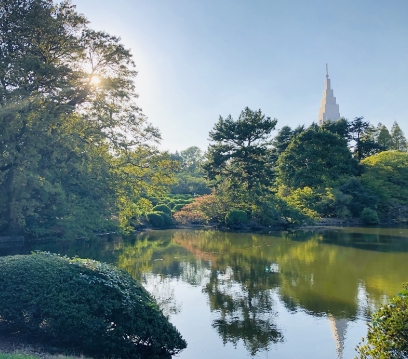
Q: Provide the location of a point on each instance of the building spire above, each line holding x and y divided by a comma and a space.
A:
329, 109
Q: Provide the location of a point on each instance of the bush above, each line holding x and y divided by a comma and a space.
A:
236, 217
167, 220
162, 208
155, 219
387, 336
83, 305
369, 216
178, 207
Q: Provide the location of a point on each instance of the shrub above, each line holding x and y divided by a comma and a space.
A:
369, 216
167, 220
162, 208
178, 207
83, 305
155, 219
387, 336
236, 217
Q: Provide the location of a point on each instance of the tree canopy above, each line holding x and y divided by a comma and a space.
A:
240, 152
315, 158
75, 148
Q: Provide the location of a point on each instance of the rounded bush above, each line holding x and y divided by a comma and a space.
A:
83, 305
155, 219
167, 220
369, 216
236, 217
162, 208
178, 207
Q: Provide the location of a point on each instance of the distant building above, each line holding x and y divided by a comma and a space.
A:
329, 109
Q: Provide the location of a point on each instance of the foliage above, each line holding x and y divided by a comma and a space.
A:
236, 217
315, 158
190, 184
386, 174
162, 208
305, 200
383, 137
363, 135
340, 127
284, 137
240, 152
369, 216
398, 140
155, 219
362, 197
83, 305
74, 154
387, 336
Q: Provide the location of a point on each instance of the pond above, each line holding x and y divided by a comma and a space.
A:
275, 295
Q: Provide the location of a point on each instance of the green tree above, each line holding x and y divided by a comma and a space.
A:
192, 158
284, 137
74, 146
240, 152
399, 142
387, 336
386, 174
340, 127
383, 137
316, 158
362, 133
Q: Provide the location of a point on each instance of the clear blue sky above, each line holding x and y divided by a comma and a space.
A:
199, 59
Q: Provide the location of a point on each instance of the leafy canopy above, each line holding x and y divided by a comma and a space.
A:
240, 152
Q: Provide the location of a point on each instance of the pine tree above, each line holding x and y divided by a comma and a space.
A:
399, 142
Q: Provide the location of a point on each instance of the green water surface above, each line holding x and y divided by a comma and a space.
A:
306, 294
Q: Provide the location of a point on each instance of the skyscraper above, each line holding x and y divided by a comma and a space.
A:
329, 109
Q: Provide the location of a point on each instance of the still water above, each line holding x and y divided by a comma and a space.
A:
277, 295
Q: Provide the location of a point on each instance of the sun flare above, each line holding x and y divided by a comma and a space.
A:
95, 80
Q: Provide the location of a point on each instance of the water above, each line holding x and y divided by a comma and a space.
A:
276, 295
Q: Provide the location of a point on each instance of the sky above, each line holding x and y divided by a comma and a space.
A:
198, 60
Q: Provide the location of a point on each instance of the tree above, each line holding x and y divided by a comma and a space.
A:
284, 137
192, 158
387, 336
383, 137
363, 135
241, 152
386, 174
70, 125
316, 158
399, 141
340, 127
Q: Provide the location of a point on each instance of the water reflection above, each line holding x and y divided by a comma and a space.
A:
339, 275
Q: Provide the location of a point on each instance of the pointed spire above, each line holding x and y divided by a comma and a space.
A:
329, 109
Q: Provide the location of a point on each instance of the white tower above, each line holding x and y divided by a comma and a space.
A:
329, 109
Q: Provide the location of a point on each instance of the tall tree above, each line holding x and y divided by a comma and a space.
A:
316, 158
340, 127
241, 152
284, 137
362, 133
399, 141
383, 136
69, 123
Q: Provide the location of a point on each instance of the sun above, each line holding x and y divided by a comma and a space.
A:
95, 80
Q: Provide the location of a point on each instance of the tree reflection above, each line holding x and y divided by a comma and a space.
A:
242, 313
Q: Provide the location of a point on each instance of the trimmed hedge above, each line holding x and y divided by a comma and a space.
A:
162, 208
155, 219
236, 217
83, 305
369, 216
